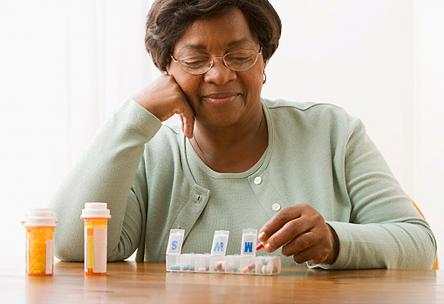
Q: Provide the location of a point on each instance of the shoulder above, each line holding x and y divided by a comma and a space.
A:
280, 106
166, 144
169, 133
309, 114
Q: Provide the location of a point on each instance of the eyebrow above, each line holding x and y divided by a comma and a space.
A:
203, 47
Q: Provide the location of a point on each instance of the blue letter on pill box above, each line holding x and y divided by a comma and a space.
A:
220, 240
248, 247
175, 241
249, 240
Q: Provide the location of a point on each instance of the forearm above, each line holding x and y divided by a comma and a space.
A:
104, 174
393, 245
385, 231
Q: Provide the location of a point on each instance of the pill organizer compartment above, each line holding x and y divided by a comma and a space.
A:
217, 261
234, 264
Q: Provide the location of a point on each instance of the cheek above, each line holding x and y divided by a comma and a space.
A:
188, 83
254, 83
255, 78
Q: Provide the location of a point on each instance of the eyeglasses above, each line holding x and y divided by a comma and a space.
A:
237, 61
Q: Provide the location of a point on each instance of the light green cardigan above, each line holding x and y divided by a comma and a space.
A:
153, 181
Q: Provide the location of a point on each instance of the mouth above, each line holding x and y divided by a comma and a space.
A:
221, 98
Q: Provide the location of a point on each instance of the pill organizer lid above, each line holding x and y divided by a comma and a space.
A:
95, 210
39, 217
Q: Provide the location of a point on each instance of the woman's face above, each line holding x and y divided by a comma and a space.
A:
220, 97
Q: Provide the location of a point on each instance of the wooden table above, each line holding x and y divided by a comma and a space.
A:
130, 282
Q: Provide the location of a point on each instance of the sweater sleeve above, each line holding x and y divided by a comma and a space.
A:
385, 230
107, 173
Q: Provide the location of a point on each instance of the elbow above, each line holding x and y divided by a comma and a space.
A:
425, 259
66, 255
122, 248
425, 256
429, 250
120, 252
69, 248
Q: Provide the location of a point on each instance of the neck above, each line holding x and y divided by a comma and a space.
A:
234, 148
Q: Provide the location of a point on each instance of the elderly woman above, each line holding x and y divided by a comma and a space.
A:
306, 175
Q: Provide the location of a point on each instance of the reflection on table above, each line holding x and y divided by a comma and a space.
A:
130, 282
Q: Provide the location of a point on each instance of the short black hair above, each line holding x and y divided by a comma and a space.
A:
169, 19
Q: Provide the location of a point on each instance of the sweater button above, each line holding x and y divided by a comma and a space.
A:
276, 207
257, 180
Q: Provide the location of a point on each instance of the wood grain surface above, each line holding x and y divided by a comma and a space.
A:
130, 282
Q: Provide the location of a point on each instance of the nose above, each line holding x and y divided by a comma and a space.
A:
219, 73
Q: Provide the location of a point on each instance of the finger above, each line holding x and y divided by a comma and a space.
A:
300, 244
181, 120
189, 124
279, 220
290, 231
184, 109
304, 256
315, 254
187, 117
191, 127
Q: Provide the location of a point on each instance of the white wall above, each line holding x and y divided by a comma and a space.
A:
65, 64
356, 54
382, 61
428, 161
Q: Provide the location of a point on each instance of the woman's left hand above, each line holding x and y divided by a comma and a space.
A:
303, 233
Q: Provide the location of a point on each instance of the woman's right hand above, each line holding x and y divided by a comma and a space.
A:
164, 98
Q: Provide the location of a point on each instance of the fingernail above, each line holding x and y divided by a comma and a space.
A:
259, 246
267, 247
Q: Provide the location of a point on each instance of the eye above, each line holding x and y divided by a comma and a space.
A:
240, 57
195, 62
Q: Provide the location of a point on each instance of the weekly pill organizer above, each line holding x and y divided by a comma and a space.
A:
216, 261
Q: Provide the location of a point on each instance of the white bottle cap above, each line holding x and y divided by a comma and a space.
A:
39, 217
95, 210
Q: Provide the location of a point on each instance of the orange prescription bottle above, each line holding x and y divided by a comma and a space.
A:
40, 224
95, 216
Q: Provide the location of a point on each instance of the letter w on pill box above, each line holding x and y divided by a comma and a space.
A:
249, 240
217, 261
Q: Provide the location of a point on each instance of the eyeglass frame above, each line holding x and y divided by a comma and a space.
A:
212, 62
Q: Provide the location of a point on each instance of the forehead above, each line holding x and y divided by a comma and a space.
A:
217, 33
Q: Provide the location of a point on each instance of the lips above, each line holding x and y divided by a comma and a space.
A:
220, 95
220, 98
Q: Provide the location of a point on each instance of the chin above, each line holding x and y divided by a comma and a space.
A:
221, 121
